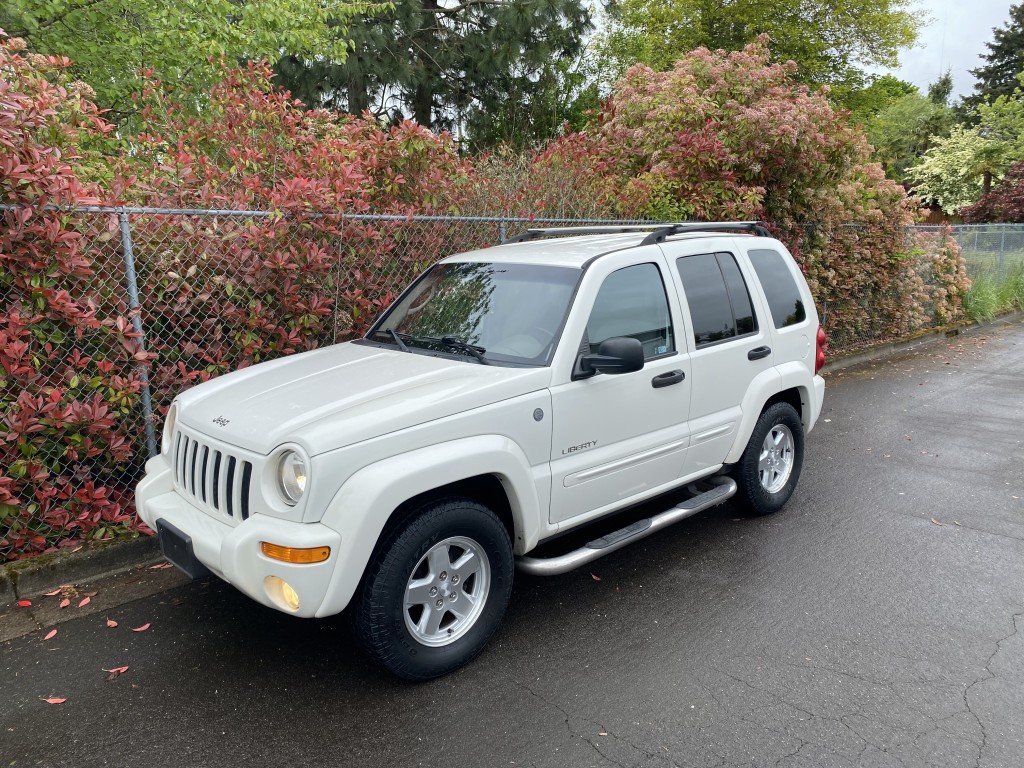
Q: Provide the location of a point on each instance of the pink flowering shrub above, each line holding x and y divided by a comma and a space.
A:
726, 136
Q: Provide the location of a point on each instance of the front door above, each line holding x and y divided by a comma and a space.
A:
618, 437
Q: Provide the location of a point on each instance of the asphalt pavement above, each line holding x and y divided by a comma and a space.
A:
873, 622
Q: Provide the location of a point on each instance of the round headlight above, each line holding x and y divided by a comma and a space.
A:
165, 438
291, 476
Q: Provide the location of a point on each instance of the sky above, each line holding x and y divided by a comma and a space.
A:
953, 40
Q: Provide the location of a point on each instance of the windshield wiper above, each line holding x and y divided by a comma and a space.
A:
462, 346
450, 342
398, 340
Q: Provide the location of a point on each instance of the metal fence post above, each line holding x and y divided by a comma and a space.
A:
1002, 248
135, 311
501, 232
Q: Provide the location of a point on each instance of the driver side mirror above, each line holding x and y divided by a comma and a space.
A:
619, 354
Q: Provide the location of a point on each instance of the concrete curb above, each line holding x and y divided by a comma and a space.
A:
35, 575
24, 578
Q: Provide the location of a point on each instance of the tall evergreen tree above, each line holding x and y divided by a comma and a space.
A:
438, 61
1003, 62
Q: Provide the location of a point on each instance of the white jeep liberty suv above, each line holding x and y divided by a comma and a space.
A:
509, 395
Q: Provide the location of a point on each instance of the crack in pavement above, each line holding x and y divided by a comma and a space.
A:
581, 737
990, 676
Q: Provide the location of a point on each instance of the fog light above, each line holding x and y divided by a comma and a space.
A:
288, 595
281, 593
295, 554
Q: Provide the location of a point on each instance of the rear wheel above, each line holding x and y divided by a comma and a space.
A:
769, 469
436, 590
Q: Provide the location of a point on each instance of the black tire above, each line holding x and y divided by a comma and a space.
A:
426, 641
764, 488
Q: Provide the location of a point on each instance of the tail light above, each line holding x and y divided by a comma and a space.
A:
820, 348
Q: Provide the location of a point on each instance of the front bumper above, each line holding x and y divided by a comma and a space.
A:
233, 552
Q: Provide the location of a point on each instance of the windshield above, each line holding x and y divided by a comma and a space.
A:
510, 313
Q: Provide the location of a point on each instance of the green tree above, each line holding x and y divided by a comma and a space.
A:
959, 169
1004, 60
449, 64
828, 39
953, 171
880, 93
903, 132
110, 42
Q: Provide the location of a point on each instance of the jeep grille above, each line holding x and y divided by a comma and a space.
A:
211, 478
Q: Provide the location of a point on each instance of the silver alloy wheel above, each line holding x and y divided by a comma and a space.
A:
775, 464
447, 591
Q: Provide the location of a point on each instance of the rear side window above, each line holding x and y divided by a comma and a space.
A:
784, 299
717, 295
632, 302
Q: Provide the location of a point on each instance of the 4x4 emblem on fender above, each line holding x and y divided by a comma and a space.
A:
220, 421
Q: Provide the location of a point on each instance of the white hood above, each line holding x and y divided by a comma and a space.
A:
344, 394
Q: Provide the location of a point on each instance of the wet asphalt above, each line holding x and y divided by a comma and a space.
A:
873, 622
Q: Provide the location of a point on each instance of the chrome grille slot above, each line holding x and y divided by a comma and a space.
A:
211, 477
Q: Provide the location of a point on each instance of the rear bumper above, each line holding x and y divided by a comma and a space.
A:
233, 552
817, 399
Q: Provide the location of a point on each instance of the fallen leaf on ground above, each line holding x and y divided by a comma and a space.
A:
89, 594
65, 603
111, 623
50, 635
936, 522
115, 672
602, 733
161, 566
143, 628
57, 591
54, 700
957, 522
85, 602
24, 603
595, 577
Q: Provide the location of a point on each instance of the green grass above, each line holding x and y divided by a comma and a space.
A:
991, 295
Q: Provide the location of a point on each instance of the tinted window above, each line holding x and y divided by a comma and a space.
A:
719, 302
739, 297
784, 300
632, 302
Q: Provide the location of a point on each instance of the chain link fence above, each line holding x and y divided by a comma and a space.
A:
186, 295
995, 249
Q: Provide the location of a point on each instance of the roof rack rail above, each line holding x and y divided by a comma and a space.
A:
658, 232
758, 228
536, 233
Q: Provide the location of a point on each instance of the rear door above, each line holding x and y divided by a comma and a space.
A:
729, 342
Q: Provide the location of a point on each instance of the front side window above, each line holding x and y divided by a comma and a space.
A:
632, 302
720, 307
513, 313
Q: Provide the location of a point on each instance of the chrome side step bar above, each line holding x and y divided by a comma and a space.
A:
605, 545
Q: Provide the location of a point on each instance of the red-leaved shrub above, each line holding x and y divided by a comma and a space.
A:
62, 439
222, 292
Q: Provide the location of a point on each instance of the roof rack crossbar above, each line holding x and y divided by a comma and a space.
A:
658, 232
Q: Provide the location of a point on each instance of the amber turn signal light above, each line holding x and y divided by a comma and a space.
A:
294, 554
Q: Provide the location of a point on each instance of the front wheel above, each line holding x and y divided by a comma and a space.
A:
436, 590
769, 469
